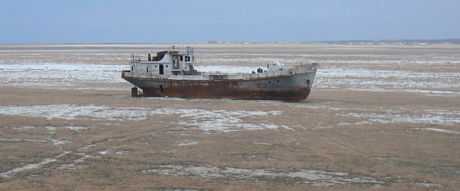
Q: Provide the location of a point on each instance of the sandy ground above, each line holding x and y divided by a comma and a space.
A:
381, 117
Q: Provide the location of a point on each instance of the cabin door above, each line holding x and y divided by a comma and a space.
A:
162, 69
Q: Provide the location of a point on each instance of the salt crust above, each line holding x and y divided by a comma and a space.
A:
77, 75
313, 177
212, 121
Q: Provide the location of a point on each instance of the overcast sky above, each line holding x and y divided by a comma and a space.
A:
189, 21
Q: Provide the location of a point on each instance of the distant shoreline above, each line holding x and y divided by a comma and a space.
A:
351, 42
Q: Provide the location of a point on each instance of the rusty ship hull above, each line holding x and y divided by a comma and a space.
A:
295, 87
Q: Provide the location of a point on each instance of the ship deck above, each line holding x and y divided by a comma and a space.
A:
224, 76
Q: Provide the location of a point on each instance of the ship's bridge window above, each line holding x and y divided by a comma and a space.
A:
187, 58
181, 58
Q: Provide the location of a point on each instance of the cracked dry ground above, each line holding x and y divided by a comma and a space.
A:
107, 140
340, 138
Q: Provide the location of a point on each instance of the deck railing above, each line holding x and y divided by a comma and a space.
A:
205, 76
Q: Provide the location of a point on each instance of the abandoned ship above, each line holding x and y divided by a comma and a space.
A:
172, 73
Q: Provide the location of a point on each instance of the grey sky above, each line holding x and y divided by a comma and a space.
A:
188, 21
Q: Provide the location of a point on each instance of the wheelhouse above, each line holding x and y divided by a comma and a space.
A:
171, 62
